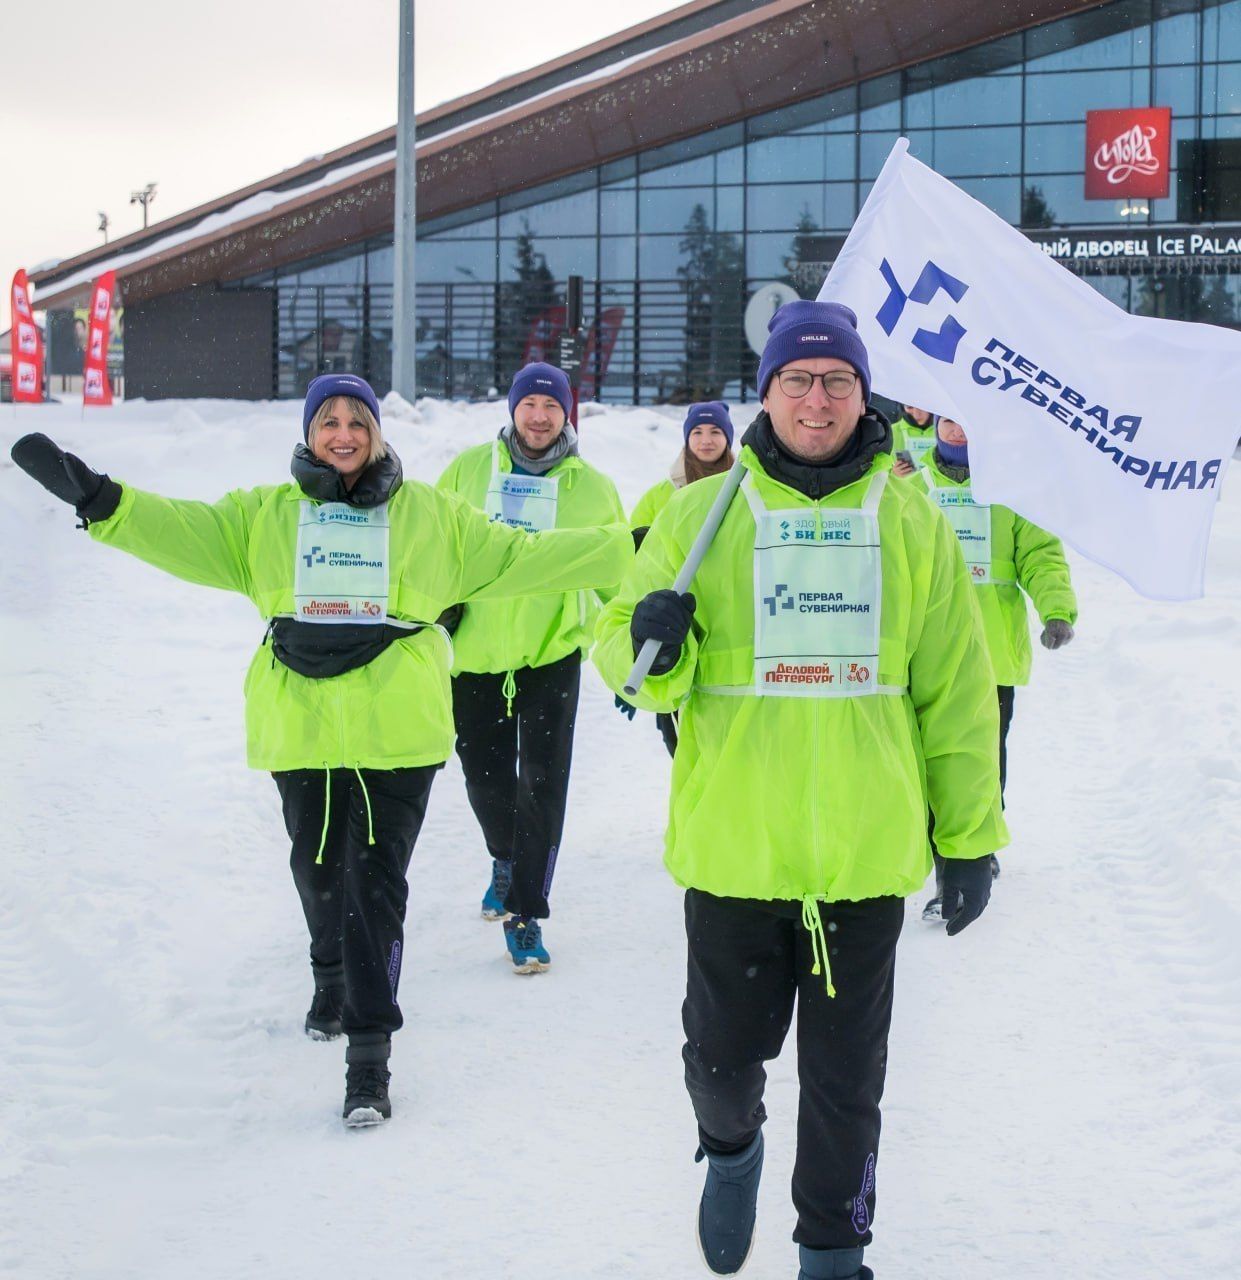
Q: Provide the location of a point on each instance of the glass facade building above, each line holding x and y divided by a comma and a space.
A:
672, 242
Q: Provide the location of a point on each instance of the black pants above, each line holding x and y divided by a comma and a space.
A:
354, 895
667, 726
1005, 694
747, 962
517, 769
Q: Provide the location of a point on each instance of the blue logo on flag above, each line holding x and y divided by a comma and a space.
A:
940, 344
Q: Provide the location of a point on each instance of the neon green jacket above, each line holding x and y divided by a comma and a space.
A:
1024, 558
651, 503
905, 430
506, 635
819, 797
396, 711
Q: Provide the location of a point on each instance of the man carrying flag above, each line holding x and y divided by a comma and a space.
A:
831, 675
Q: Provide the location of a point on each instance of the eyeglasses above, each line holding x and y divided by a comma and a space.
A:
796, 383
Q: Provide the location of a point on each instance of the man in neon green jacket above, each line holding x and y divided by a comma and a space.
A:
831, 674
519, 663
347, 697
913, 433
1006, 556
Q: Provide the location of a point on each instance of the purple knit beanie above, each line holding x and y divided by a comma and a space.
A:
708, 412
329, 385
807, 330
541, 379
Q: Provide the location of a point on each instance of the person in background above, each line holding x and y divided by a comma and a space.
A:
1008, 558
707, 451
832, 676
913, 433
347, 698
518, 663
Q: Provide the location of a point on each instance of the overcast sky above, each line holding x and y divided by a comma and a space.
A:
102, 98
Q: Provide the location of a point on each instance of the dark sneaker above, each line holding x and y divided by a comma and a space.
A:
832, 1264
933, 912
995, 867
728, 1207
497, 890
524, 938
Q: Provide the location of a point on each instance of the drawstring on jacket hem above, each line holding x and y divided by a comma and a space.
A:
813, 922
509, 690
327, 810
366, 795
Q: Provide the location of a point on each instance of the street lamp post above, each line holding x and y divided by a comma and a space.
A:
144, 198
404, 328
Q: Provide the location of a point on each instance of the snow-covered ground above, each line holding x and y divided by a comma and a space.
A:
1064, 1096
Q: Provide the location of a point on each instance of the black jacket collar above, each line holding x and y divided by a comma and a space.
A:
873, 436
322, 483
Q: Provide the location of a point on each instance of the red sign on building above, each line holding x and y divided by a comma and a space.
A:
1127, 153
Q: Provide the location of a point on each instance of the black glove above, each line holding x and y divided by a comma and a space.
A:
666, 617
639, 536
91, 495
450, 619
1056, 633
625, 708
966, 891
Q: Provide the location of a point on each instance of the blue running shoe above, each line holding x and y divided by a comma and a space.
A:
497, 890
524, 938
729, 1206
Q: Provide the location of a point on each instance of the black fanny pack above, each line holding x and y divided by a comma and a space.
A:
321, 650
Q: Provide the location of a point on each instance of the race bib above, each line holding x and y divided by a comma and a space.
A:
818, 588
341, 563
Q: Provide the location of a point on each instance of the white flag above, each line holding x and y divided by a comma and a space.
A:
1113, 431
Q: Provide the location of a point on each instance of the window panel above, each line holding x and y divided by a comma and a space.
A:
1069, 95
880, 103
1056, 148
564, 256
873, 149
961, 153
830, 205
659, 257
729, 208
570, 215
1176, 36
466, 225
1221, 30
801, 158
1067, 204
1177, 87
983, 100
449, 261
834, 112
618, 212
1000, 195
765, 255
1221, 89
617, 257
671, 209
1111, 36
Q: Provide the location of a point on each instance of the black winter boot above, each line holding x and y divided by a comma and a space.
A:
323, 1017
366, 1080
832, 1264
729, 1204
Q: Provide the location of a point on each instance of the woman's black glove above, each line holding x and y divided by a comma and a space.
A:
666, 617
625, 708
966, 891
450, 619
91, 495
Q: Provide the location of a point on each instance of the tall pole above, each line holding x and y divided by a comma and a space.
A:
404, 329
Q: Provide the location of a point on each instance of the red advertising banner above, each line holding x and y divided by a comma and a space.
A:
26, 346
96, 388
1128, 152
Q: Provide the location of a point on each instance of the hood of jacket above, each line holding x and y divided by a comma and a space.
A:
323, 483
